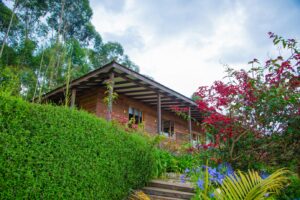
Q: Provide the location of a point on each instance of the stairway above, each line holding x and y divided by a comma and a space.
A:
164, 190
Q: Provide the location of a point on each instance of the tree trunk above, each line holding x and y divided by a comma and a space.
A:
8, 29
38, 76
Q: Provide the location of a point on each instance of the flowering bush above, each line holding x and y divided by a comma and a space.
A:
222, 182
256, 112
205, 174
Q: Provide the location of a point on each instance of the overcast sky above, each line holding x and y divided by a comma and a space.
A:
184, 44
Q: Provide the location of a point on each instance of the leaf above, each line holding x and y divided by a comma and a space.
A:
283, 43
250, 186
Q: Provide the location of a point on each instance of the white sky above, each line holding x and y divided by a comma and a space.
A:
184, 44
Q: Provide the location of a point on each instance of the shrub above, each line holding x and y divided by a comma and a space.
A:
164, 162
49, 152
188, 161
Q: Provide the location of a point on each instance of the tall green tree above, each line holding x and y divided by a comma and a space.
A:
41, 38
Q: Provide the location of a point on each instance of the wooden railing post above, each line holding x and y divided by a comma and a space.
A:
190, 125
110, 96
158, 113
73, 98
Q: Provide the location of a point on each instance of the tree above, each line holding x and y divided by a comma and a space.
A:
257, 111
4, 19
41, 38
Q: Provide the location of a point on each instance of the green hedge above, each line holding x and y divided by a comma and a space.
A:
49, 152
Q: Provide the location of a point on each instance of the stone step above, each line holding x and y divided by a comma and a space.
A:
167, 193
154, 197
184, 187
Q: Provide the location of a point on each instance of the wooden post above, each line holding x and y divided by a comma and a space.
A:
73, 98
110, 96
190, 125
158, 113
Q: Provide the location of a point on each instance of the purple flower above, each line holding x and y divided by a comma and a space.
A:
200, 184
212, 171
182, 178
229, 170
264, 175
220, 178
186, 170
267, 195
204, 166
226, 168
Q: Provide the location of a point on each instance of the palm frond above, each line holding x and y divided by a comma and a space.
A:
250, 186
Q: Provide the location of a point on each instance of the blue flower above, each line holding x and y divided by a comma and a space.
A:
264, 175
204, 166
186, 170
200, 184
267, 195
220, 178
182, 178
229, 170
212, 171
226, 168
212, 195
220, 166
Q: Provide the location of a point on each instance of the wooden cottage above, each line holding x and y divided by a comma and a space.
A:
139, 97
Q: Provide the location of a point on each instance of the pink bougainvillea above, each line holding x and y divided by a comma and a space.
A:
252, 102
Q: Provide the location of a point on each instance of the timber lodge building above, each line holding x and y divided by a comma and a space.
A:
139, 97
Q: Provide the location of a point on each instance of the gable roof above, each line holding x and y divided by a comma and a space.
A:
130, 84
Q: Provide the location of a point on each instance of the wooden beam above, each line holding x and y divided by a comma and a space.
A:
158, 113
190, 125
170, 103
73, 98
136, 91
154, 100
122, 82
140, 95
159, 87
127, 87
110, 97
93, 74
137, 81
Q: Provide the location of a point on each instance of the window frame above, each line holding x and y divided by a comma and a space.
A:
132, 114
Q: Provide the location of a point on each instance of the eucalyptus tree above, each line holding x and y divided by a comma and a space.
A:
42, 39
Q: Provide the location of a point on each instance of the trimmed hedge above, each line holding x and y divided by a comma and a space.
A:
49, 152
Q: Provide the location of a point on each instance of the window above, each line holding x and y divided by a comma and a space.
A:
135, 114
196, 140
168, 128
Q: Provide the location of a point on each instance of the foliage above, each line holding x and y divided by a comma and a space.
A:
254, 115
110, 98
45, 35
9, 81
251, 186
171, 145
222, 182
292, 191
52, 152
188, 161
164, 162
206, 179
